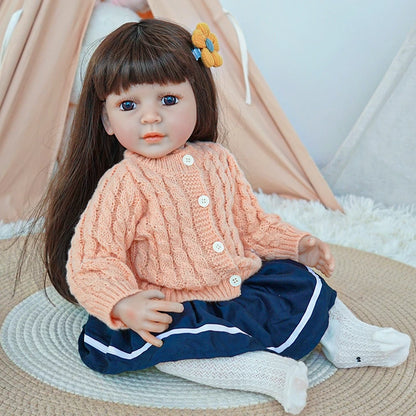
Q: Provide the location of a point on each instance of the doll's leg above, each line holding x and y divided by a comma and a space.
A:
261, 372
349, 342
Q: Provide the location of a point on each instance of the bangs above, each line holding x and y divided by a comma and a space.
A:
138, 68
134, 57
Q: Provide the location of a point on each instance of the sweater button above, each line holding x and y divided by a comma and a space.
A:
203, 201
218, 247
235, 280
188, 160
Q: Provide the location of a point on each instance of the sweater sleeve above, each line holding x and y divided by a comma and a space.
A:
98, 271
265, 234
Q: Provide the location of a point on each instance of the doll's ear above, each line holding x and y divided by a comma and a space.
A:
106, 122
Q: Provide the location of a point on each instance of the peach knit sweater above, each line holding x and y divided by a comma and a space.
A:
187, 224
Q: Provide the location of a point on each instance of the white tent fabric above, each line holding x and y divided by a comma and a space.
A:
377, 159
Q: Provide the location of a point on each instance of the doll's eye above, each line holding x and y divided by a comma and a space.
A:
169, 100
127, 105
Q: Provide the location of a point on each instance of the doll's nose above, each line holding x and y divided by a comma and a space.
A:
150, 116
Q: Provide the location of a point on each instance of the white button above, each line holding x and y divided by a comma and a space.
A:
235, 280
188, 160
218, 247
203, 201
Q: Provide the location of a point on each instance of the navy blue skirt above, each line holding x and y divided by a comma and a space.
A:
283, 309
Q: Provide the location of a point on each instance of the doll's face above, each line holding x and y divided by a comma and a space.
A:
152, 120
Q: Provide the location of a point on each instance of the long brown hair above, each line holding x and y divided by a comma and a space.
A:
151, 51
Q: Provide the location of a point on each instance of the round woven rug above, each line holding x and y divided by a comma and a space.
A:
40, 336
41, 373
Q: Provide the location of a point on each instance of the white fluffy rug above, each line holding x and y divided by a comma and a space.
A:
365, 224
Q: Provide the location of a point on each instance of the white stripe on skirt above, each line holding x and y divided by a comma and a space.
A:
108, 349
305, 318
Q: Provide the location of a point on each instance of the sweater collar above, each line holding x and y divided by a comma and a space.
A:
173, 162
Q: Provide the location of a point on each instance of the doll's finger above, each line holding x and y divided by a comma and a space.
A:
163, 318
330, 262
155, 327
324, 264
322, 267
151, 339
166, 306
326, 251
328, 270
153, 294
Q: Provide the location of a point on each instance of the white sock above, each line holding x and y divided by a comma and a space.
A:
282, 378
349, 342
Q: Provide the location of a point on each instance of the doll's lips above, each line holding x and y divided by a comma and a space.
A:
153, 137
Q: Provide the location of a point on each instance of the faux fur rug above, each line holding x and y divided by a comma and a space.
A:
365, 224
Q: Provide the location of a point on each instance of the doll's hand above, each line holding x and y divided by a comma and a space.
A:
315, 253
142, 313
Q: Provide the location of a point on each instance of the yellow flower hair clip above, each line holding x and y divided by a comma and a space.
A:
206, 46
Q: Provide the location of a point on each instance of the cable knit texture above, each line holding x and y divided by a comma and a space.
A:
183, 224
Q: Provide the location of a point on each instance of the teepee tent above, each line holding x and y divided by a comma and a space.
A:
41, 41
377, 158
